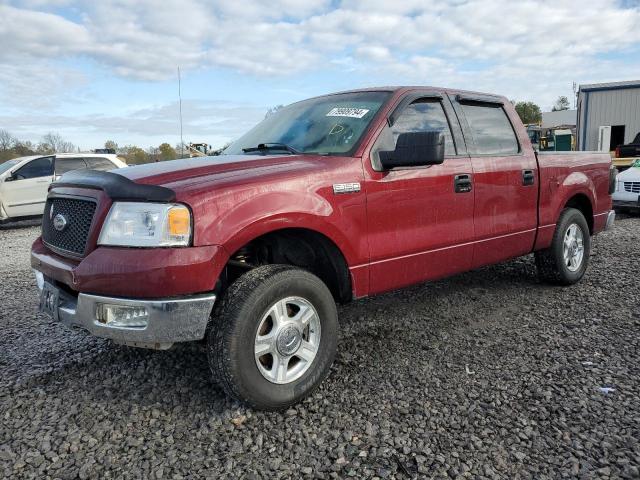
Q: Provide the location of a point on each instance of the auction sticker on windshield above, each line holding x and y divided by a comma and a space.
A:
347, 112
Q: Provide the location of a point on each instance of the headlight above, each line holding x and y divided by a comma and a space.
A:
131, 224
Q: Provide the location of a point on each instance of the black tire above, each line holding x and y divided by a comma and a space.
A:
230, 342
550, 263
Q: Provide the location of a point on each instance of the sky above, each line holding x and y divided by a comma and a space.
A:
107, 70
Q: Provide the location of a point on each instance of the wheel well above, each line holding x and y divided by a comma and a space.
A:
300, 247
581, 202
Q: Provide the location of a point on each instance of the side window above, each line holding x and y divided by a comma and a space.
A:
99, 163
424, 116
491, 130
40, 167
64, 165
420, 116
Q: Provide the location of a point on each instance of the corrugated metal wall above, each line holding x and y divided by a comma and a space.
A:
608, 107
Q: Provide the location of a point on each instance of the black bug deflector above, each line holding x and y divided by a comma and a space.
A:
116, 186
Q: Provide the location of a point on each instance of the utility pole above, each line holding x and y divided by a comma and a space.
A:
180, 103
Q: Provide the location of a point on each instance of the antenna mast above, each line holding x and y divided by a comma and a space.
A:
180, 102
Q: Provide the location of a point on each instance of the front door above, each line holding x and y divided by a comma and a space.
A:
26, 192
420, 223
505, 180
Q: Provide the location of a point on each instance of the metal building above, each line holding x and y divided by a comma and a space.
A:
608, 115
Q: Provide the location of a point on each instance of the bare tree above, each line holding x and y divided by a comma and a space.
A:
6, 140
561, 104
54, 143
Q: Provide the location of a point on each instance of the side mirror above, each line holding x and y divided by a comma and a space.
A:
415, 149
11, 178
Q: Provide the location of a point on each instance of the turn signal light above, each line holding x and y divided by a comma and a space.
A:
179, 221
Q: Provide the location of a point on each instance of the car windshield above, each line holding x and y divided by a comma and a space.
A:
7, 165
331, 125
636, 163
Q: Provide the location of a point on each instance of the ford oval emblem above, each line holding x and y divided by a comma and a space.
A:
59, 222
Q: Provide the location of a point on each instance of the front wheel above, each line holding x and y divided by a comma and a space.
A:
566, 260
274, 336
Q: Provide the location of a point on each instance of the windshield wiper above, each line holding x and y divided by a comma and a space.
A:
263, 147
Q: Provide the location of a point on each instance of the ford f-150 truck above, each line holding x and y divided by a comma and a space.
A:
330, 199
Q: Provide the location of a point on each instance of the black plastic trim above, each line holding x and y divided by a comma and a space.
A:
115, 186
476, 98
409, 99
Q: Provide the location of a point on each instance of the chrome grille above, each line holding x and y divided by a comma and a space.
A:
633, 187
66, 224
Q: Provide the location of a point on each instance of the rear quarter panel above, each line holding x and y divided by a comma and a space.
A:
565, 175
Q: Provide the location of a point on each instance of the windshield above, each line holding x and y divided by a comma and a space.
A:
331, 125
636, 163
7, 165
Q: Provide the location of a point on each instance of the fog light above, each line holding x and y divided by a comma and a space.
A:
122, 316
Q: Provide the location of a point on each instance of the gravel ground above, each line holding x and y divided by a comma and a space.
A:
486, 375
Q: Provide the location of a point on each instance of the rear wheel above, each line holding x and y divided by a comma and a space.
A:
566, 260
274, 336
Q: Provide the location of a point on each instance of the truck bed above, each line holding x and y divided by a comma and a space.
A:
560, 172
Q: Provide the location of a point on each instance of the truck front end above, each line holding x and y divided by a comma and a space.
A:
117, 259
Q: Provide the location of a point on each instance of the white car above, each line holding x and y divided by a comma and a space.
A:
627, 194
24, 181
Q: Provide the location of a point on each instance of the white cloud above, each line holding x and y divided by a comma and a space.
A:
525, 49
145, 39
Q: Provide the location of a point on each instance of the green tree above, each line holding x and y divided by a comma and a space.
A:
139, 156
528, 112
110, 144
562, 103
23, 149
134, 155
167, 152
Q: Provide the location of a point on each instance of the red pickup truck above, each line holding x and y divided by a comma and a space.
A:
330, 199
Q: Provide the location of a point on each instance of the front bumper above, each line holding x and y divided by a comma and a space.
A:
147, 273
611, 218
167, 321
626, 204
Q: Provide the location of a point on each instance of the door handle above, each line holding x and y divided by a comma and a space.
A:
528, 178
462, 183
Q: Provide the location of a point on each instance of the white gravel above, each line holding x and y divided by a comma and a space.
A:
486, 375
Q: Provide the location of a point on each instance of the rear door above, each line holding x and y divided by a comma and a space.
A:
505, 177
420, 222
27, 192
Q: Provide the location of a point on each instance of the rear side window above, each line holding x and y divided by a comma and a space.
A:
491, 130
424, 116
99, 163
64, 165
40, 167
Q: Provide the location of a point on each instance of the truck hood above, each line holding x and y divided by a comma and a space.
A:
177, 173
